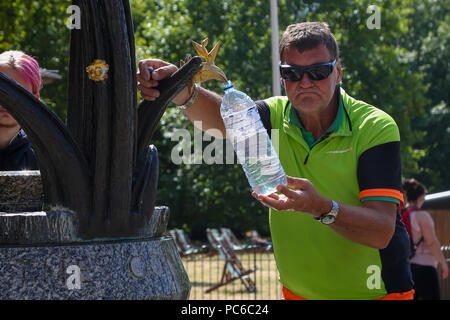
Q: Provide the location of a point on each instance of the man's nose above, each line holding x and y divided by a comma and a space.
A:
306, 81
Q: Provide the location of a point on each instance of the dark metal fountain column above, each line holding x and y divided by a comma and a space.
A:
96, 233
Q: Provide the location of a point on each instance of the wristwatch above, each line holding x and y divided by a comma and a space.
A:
191, 100
329, 217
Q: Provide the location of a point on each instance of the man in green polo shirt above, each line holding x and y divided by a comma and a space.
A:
335, 229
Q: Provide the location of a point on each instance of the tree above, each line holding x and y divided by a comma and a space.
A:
400, 68
207, 195
376, 69
39, 29
428, 42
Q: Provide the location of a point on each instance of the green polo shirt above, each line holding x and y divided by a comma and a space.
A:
307, 135
294, 119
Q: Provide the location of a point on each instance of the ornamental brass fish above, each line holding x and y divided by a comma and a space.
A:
208, 69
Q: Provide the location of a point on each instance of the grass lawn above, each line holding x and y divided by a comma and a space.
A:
206, 271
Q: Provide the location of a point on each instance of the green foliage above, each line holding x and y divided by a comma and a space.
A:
428, 42
39, 29
207, 195
378, 68
401, 68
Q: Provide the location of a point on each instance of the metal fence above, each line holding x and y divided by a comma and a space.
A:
206, 270
212, 279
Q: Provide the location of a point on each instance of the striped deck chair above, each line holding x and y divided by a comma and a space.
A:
233, 268
183, 242
231, 238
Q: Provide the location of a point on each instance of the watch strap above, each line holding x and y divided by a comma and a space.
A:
334, 211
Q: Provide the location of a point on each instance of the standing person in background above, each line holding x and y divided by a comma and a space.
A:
428, 254
16, 152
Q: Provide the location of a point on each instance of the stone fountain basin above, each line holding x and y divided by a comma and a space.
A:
42, 258
114, 269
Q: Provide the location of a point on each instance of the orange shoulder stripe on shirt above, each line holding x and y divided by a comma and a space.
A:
382, 193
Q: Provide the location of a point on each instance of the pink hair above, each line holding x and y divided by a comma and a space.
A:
27, 67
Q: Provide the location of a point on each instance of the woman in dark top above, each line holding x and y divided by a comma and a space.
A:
15, 150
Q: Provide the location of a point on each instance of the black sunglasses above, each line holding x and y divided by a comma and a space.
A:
317, 71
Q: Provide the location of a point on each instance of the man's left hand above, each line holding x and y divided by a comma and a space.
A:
303, 197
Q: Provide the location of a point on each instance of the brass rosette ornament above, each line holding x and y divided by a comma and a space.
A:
98, 71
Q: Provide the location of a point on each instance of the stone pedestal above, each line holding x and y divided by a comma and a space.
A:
120, 269
20, 191
41, 256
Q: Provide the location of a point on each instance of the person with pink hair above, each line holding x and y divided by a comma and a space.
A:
16, 152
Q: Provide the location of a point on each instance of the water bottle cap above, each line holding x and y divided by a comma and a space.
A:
227, 85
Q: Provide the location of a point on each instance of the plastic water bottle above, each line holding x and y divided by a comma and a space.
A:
250, 141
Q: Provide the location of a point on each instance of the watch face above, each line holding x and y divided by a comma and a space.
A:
328, 219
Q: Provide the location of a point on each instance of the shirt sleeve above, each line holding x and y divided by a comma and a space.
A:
379, 173
264, 113
379, 164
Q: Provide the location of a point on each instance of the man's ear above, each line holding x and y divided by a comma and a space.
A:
283, 85
339, 70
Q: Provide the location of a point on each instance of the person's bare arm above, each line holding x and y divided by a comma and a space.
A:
206, 107
426, 225
372, 225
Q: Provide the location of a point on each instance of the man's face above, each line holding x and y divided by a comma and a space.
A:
6, 120
311, 96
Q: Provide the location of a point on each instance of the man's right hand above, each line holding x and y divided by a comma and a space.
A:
147, 84
204, 111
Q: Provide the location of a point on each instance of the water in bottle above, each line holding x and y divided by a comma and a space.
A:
251, 142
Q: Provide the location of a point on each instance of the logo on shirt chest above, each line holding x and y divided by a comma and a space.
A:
340, 151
